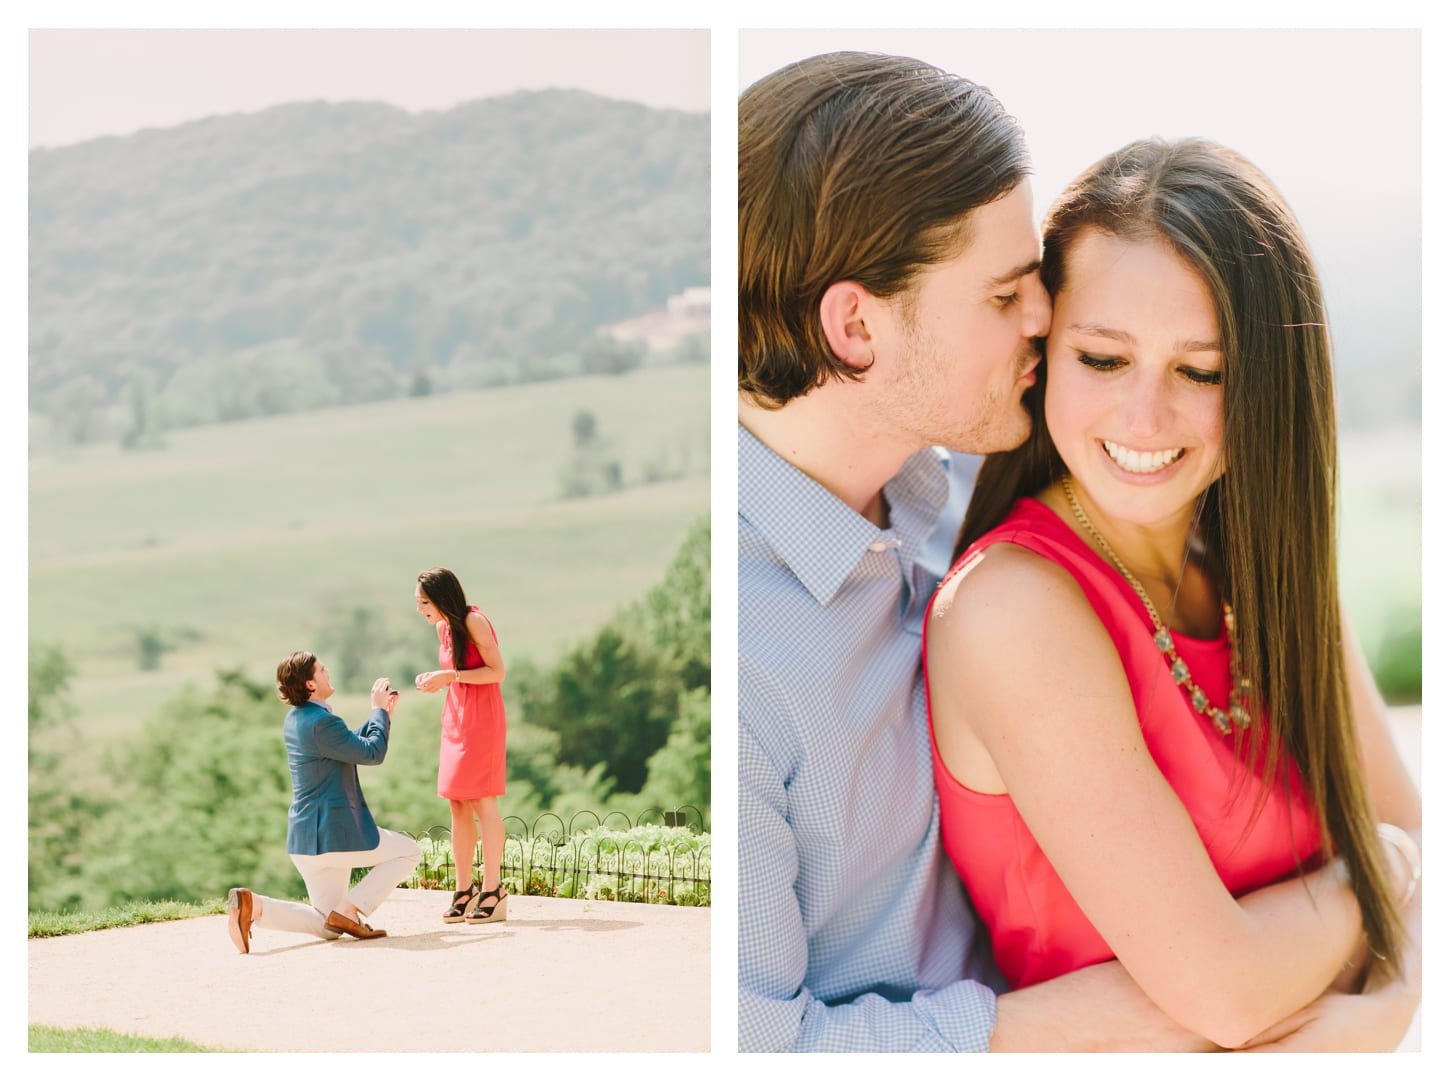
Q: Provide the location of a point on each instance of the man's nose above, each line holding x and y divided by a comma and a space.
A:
1036, 309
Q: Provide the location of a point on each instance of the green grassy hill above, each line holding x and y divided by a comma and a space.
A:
236, 543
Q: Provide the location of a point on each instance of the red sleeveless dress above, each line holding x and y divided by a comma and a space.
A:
471, 752
1037, 930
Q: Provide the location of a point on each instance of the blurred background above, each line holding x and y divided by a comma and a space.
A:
1333, 117
310, 312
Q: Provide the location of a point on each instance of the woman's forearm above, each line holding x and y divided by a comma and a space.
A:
484, 675
1296, 937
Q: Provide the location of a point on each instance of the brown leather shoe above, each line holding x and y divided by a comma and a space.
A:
239, 918
336, 921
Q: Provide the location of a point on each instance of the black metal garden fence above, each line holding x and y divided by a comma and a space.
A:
659, 857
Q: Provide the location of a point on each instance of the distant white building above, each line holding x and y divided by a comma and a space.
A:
693, 301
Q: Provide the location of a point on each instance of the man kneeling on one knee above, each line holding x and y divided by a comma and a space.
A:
330, 830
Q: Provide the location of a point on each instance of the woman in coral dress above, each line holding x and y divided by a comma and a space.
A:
471, 765
1144, 699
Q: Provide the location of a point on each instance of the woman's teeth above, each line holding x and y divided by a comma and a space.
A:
1141, 461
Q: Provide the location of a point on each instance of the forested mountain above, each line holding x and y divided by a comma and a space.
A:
315, 254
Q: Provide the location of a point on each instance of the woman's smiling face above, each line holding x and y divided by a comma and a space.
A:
1134, 400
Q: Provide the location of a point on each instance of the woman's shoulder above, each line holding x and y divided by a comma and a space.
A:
1003, 584
1023, 556
1030, 523
1007, 611
480, 627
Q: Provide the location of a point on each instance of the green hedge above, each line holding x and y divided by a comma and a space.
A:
651, 864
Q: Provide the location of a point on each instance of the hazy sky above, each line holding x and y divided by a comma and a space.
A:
87, 83
1327, 114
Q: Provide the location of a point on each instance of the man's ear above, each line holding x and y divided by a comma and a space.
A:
847, 314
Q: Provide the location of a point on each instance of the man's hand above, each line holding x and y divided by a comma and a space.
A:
1098, 1008
383, 697
1373, 1021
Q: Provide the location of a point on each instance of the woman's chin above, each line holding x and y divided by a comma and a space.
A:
1137, 503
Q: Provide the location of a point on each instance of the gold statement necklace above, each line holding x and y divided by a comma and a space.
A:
1163, 638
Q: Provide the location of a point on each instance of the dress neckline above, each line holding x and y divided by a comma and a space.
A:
1058, 529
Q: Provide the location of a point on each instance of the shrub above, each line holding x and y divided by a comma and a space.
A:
647, 863
1397, 664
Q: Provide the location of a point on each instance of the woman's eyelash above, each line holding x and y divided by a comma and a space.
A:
1193, 375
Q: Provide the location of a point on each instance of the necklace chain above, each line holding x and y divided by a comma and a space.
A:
1163, 638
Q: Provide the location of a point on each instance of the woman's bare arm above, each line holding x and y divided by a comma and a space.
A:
1378, 1017
493, 667
1021, 659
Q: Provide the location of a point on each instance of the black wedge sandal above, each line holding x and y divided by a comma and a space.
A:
490, 913
464, 903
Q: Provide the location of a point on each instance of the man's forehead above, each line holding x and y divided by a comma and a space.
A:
999, 237
1027, 266
996, 260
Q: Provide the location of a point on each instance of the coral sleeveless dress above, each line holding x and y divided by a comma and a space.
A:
1037, 930
471, 752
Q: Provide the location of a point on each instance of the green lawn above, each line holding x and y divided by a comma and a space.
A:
1379, 535
43, 1038
239, 540
130, 914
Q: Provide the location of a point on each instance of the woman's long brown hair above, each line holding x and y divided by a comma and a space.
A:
1268, 524
441, 586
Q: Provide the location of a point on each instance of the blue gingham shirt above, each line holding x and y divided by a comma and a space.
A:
855, 935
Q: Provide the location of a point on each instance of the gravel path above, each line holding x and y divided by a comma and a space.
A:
557, 975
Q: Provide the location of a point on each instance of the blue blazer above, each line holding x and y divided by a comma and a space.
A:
328, 811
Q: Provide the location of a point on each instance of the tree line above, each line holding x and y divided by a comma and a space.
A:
321, 254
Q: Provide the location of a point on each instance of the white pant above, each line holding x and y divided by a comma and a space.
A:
327, 875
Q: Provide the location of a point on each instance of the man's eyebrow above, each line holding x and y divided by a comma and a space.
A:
1187, 345
1012, 275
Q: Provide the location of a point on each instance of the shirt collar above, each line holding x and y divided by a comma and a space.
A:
819, 537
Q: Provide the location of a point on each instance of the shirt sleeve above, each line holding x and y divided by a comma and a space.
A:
366, 747
777, 1012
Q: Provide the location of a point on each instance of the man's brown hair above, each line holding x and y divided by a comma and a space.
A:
292, 676
853, 167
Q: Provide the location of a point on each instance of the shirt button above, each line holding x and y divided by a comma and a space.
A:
882, 545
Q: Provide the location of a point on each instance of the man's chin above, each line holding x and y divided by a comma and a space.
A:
1008, 433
